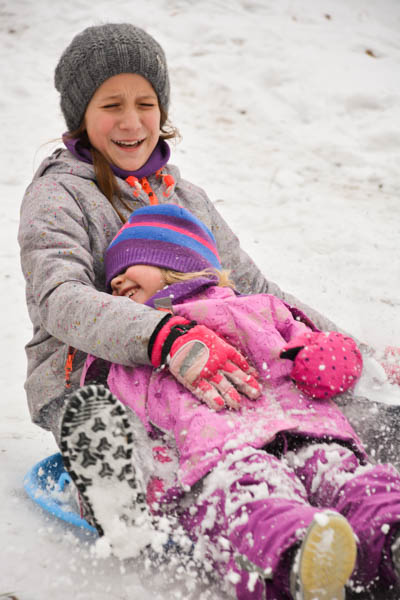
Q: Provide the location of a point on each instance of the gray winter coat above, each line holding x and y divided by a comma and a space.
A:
66, 224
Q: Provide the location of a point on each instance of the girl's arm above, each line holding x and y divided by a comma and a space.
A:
57, 262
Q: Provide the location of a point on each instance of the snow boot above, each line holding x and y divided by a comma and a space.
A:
325, 559
98, 450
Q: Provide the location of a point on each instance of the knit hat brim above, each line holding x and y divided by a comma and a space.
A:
161, 254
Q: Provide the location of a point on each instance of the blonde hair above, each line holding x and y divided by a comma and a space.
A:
105, 178
177, 276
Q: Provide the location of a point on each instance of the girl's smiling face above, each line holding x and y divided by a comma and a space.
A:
122, 120
138, 282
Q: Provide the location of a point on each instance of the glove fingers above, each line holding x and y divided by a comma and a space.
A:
253, 372
212, 370
204, 391
246, 383
186, 365
236, 358
226, 390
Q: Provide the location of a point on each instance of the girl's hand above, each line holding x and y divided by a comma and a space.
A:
324, 364
204, 363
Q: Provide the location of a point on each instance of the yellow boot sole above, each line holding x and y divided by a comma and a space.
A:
327, 557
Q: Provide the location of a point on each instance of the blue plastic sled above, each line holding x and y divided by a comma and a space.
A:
47, 484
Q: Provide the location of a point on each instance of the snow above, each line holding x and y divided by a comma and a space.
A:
289, 113
322, 519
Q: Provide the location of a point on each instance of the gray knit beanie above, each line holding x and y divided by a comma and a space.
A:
103, 51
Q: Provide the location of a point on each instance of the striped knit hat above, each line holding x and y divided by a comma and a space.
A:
164, 235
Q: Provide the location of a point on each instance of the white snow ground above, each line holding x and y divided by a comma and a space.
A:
290, 114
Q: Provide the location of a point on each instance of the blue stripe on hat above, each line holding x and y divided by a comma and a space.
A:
139, 232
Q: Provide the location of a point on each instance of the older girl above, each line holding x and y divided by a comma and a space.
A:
114, 91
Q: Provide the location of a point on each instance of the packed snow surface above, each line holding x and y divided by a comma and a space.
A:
289, 113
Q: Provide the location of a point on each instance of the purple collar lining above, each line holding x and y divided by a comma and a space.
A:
177, 292
158, 158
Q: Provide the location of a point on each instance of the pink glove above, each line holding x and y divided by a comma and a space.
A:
325, 364
391, 364
203, 362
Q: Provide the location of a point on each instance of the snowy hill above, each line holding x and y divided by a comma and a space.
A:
289, 113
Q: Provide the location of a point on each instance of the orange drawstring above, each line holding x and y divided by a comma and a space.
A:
68, 365
143, 184
149, 191
168, 182
134, 182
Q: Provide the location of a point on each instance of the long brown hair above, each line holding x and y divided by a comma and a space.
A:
105, 178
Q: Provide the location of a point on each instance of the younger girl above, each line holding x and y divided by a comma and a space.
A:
277, 493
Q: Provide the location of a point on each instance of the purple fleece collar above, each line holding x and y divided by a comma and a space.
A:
178, 292
158, 158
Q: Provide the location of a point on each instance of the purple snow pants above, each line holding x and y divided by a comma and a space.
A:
253, 509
